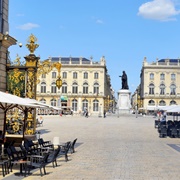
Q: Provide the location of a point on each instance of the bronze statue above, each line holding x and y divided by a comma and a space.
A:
124, 81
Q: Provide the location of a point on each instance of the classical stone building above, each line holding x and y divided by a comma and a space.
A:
85, 85
159, 84
5, 42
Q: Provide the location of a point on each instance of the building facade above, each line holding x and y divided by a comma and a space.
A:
85, 85
159, 84
5, 42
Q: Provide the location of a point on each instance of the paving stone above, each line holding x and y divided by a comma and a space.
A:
112, 148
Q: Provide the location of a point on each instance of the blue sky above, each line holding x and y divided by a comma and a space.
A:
123, 31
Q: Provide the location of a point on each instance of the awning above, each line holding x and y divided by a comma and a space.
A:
151, 108
174, 109
64, 98
165, 108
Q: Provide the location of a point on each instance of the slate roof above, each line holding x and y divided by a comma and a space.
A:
170, 60
67, 59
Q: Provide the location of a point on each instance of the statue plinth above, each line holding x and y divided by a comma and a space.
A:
124, 102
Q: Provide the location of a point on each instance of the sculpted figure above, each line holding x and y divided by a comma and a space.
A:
124, 81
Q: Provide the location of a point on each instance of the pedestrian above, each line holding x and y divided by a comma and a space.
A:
86, 113
104, 113
164, 114
159, 115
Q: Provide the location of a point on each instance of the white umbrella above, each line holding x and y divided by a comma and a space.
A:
35, 102
55, 108
10, 99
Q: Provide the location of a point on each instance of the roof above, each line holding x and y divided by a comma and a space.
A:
170, 60
67, 59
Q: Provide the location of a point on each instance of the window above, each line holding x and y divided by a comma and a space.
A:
95, 105
43, 87
151, 103
173, 77
151, 89
74, 75
96, 88
64, 75
96, 75
85, 75
53, 102
173, 102
53, 87
151, 76
43, 76
84, 104
75, 88
53, 74
162, 76
74, 105
64, 87
85, 88
162, 103
173, 89
43, 101
162, 89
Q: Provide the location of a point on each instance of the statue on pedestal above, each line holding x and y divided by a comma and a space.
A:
124, 81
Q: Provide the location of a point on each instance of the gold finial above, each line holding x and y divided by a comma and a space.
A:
32, 46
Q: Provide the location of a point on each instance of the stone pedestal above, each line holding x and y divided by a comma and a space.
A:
124, 102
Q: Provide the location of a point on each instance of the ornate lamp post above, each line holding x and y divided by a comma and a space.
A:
58, 81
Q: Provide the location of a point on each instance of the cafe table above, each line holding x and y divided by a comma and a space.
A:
21, 164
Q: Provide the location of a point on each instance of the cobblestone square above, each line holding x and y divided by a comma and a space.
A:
111, 148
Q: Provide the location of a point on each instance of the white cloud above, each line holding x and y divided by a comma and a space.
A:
99, 21
28, 26
162, 10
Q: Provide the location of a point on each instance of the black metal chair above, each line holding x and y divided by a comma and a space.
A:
4, 163
72, 149
12, 157
169, 129
20, 154
174, 132
30, 149
65, 149
178, 130
39, 162
162, 124
53, 156
45, 144
163, 132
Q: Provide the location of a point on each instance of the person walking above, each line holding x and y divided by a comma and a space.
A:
104, 113
86, 113
165, 114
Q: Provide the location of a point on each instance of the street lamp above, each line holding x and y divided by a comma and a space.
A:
59, 83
